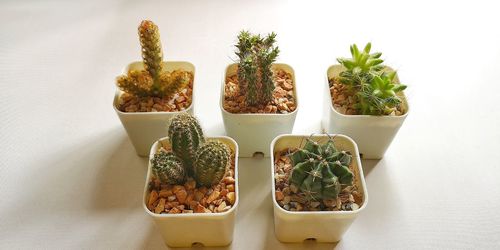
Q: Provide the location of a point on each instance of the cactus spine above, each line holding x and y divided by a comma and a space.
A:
186, 136
374, 89
168, 168
211, 163
255, 78
320, 171
152, 81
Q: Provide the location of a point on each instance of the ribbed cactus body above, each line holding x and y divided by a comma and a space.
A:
211, 163
168, 168
186, 137
319, 171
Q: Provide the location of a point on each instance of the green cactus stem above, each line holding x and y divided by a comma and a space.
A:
152, 81
374, 89
256, 55
320, 171
211, 163
168, 168
186, 136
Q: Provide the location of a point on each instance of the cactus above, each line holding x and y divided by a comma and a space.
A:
255, 78
374, 89
152, 81
168, 168
186, 136
211, 163
320, 171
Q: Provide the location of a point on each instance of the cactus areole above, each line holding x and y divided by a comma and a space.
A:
321, 171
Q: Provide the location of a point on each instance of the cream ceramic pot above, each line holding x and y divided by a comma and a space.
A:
323, 226
186, 230
254, 132
144, 128
373, 134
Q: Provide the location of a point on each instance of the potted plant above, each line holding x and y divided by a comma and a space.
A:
318, 187
152, 91
258, 96
364, 100
191, 187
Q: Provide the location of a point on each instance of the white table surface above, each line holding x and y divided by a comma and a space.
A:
69, 176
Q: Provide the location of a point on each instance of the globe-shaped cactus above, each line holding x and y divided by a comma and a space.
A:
168, 168
320, 171
186, 136
211, 163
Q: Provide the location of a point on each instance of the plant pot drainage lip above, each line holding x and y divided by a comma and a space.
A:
365, 116
119, 92
221, 103
275, 203
236, 176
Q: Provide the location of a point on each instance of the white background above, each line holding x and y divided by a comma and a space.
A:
69, 176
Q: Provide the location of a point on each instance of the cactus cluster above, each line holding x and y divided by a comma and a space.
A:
152, 81
374, 89
320, 171
192, 155
255, 78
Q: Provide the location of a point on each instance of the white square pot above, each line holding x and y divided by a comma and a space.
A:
254, 132
144, 128
184, 230
323, 226
373, 134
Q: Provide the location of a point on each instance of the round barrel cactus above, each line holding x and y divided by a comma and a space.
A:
319, 171
168, 168
211, 163
186, 137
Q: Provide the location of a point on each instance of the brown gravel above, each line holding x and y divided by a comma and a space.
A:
178, 102
283, 97
344, 102
187, 198
291, 199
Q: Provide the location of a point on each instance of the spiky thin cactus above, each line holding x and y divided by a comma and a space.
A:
256, 55
375, 90
152, 81
211, 163
186, 136
168, 168
320, 171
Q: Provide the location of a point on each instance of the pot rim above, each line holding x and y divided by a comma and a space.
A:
225, 112
189, 215
305, 213
118, 93
405, 101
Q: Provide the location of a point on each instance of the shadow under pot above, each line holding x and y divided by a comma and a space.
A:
144, 128
251, 128
373, 134
190, 215
308, 212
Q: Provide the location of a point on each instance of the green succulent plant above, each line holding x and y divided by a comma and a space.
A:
374, 89
212, 159
256, 55
168, 168
153, 80
321, 170
186, 137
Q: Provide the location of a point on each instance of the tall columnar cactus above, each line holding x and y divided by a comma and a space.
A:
320, 171
168, 168
255, 78
375, 90
186, 136
211, 163
152, 81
